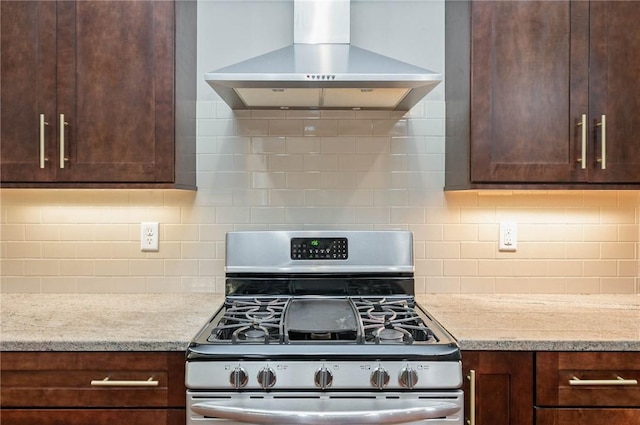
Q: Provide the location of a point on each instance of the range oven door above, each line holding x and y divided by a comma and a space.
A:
322, 408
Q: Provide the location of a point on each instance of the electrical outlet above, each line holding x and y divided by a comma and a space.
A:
508, 237
149, 236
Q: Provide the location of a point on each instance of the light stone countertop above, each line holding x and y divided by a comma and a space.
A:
103, 322
539, 322
167, 322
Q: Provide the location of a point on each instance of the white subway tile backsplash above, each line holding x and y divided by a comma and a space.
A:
320, 197
316, 162
228, 144
256, 197
303, 145
390, 197
286, 162
251, 128
321, 128
267, 215
287, 197
395, 128
477, 285
339, 145
286, 127
269, 145
355, 127
166, 285
618, 285
303, 179
41, 232
619, 250
372, 215
339, 180
582, 285
425, 127
215, 127
20, 284
233, 214
435, 109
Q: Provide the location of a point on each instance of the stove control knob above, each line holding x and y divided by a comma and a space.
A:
408, 377
266, 377
323, 378
238, 377
379, 378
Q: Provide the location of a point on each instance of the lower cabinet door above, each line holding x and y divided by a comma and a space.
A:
559, 416
498, 387
92, 416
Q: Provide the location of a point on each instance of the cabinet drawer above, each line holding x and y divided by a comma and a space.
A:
588, 379
100, 379
587, 416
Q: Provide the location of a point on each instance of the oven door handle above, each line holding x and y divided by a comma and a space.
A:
326, 417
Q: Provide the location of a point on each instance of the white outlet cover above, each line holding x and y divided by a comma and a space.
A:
149, 237
508, 238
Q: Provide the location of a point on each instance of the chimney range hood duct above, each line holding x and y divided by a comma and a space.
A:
321, 70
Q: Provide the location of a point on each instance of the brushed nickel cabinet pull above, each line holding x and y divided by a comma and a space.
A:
472, 397
42, 157
618, 381
106, 382
583, 138
603, 142
63, 123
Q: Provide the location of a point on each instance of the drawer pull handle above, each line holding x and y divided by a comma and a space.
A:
63, 157
472, 397
618, 381
42, 157
603, 142
106, 382
583, 147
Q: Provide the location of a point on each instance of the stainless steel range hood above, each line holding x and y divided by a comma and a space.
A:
321, 70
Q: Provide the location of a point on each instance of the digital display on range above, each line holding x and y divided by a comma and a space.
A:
319, 249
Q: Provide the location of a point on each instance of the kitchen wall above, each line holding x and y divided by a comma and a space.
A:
318, 170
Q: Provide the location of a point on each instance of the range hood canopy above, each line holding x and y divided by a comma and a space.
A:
321, 70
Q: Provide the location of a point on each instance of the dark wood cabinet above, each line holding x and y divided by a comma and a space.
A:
498, 387
587, 416
542, 94
98, 94
588, 388
70, 388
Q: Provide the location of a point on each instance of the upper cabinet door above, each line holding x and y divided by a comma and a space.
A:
615, 91
28, 87
542, 94
529, 90
115, 90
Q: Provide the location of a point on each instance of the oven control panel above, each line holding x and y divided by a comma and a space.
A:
324, 375
319, 249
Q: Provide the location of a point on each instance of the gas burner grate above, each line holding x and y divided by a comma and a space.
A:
257, 320
392, 321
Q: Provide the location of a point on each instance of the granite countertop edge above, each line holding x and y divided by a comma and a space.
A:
114, 345
522, 345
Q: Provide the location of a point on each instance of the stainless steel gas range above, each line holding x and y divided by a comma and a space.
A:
321, 327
